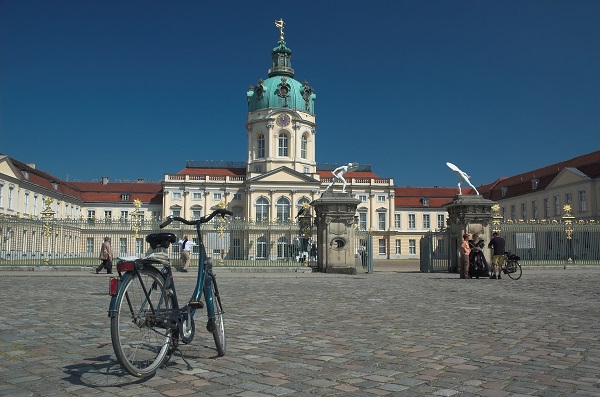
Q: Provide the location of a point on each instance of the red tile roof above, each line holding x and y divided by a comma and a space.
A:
436, 196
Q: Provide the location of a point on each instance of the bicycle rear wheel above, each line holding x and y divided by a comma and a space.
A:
513, 269
216, 323
140, 339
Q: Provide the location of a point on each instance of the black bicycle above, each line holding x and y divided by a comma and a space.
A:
511, 266
147, 322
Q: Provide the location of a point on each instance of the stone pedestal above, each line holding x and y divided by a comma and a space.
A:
335, 232
468, 214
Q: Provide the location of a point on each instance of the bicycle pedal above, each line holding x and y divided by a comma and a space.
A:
196, 304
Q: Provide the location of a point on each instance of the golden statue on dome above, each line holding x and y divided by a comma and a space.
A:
280, 25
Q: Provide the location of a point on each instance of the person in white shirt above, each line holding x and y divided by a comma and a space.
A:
186, 246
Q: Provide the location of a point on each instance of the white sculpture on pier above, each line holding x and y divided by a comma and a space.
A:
338, 174
463, 177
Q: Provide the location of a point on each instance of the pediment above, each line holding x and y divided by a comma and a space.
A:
283, 175
7, 168
568, 176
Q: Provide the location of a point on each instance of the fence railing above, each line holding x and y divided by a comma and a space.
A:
68, 242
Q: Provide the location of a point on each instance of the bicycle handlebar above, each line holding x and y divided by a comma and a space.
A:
204, 219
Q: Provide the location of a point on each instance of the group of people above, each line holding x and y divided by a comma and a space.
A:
473, 262
106, 255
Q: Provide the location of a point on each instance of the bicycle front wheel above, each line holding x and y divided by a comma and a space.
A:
513, 269
216, 323
141, 338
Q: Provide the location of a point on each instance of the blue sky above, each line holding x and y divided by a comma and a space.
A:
133, 89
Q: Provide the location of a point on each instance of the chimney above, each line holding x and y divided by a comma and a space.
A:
104, 180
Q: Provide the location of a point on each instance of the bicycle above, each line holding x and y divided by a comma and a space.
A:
511, 266
147, 322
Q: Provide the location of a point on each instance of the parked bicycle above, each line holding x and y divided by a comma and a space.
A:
147, 322
511, 266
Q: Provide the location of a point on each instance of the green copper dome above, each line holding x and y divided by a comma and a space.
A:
281, 90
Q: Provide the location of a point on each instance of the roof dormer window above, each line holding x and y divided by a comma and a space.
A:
504, 191
535, 183
124, 196
425, 202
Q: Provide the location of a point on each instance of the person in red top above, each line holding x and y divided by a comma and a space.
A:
465, 250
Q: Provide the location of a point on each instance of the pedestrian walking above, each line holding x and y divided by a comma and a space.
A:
465, 251
106, 256
186, 246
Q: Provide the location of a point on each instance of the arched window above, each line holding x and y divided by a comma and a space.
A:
283, 248
261, 147
304, 147
283, 145
262, 248
283, 209
262, 210
300, 203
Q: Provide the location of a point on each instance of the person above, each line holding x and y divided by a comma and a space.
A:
499, 246
478, 264
106, 256
465, 250
186, 245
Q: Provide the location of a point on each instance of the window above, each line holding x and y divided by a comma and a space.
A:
261, 146
412, 247
523, 211
504, 191
176, 195
534, 210
124, 215
176, 211
283, 209
156, 215
426, 221
35, 205
91, 214
139, 246
382, 249
556, 204
380, 198
10, 197
503, 213
535, 183
217, 196
89, 245
303, 146
425, 202
125, 197
362, 198
398, 221
258, 168
381, 220
398, 247
196, 214
262, 210
412, 221
441, 221
261, 248
282, 248
123, 246
26, 203
108, 215
1, 195
362, 220
546, 208
568, 198
197, 196
237, 196
283, 145
513, 212
306, 170
582, 201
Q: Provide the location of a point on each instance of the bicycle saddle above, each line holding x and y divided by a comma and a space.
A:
160, 239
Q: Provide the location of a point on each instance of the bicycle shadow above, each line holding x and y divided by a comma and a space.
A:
99, 371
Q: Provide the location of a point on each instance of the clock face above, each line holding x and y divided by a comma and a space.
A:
283, 120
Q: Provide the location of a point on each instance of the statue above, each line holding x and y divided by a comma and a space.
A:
280, 24
339, 172
463, 177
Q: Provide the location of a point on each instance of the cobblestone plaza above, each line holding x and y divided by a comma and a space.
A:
394, 333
